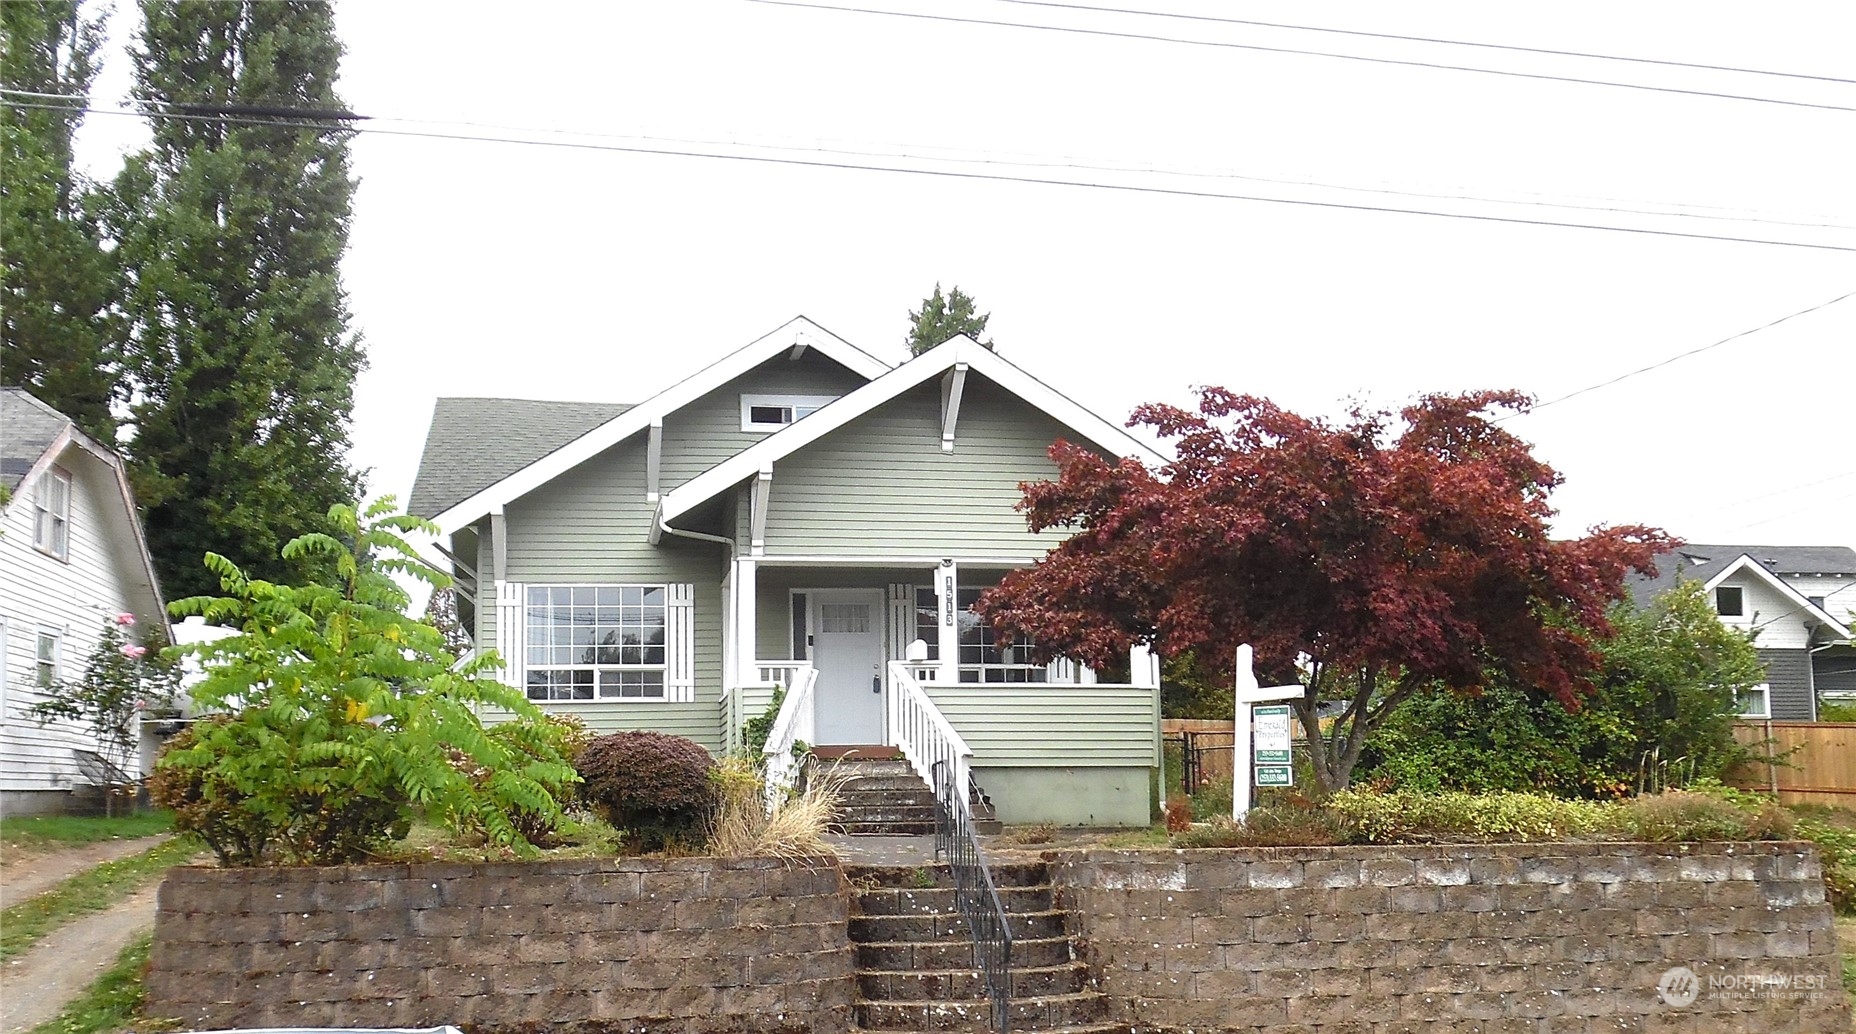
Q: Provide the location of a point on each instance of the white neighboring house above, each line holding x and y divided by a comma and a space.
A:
1796, 601
72, 555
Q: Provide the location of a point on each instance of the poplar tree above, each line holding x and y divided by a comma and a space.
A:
233, 225
55, 338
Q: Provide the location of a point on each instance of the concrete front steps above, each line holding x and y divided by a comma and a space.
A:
879, 794
914, 955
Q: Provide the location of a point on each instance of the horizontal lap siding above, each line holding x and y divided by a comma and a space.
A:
73, 596
1051, 726
1788, 677
592, 525
881, 483
708, 430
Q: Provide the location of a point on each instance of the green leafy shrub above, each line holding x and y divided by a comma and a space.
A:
755, 730
348, 712
1276, 826
1456, 817
1836, 847
1211, 800
656, 788
207, 805
554, 736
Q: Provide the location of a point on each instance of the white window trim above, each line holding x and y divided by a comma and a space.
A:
809, 403
56, 635
1764, 690
661, 669
6, 643
679, 640
46, 522
1740, 618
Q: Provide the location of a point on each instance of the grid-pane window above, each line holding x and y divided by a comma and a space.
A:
1730, 601
982, 658
596, 642
51, 523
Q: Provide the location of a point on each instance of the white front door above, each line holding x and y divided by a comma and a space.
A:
847, 650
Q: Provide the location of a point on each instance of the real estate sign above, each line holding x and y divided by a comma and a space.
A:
1272, 734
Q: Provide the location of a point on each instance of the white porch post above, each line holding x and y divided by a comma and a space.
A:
1143, 667
947, 609
743, 585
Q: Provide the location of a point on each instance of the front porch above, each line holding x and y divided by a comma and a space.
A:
887, 653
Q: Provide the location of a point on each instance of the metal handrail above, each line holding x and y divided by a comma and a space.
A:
975, 894
793, 724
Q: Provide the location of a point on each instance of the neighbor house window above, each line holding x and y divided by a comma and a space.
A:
45, 659
1754, 702
596, 642
1730, 601
51, 521
982, 658
772, 412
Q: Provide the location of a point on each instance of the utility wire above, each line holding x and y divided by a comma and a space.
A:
1186, 41
1425, 39
1792, 488
1684, 355
993, 177
1041, 162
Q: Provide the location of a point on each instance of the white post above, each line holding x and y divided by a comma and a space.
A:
745, 671
947, 608
1240, 743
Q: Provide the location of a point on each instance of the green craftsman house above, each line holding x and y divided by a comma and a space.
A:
797, 516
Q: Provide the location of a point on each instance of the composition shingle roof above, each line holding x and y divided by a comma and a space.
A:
1701, 561
27, 428
475, 442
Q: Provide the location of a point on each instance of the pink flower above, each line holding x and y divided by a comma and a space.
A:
125, 618
133, 651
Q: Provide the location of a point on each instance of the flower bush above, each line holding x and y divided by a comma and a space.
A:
121, 683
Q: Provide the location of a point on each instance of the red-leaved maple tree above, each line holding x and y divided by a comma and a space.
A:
1365, 559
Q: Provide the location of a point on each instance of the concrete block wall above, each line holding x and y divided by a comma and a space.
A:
1489, 939
669, 945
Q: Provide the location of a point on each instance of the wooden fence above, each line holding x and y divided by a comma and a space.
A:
1203, 745
1812, 762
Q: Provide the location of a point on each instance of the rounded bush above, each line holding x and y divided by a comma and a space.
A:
655, 788
206, 805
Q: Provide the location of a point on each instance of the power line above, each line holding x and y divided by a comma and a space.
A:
1791, 488
1186, 41
1041, 162
1427, 39
995, 177
1684, 355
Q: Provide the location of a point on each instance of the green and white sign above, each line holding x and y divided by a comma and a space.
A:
1274, 775
1272, 738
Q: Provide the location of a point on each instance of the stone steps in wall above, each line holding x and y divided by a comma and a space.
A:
935, 956
948, 926
884, 796
902, 901
1067, 977
1036, 1013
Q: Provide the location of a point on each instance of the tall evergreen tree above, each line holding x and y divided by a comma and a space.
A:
55, 338
942, 317
232, 232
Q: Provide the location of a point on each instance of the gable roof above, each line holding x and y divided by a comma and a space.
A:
28, 427
958, 351
794, 335
1713, 569
1702, 562
34, 436
475, 442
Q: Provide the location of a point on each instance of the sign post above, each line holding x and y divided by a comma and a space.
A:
1269, 726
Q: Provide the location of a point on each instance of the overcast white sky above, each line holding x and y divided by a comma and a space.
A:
500, 269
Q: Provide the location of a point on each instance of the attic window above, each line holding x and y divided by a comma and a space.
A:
1730, 601
51, 523
772, 412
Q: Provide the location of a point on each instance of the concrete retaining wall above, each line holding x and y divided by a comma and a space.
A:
1534, 938
695, 944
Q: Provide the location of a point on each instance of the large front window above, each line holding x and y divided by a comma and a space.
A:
982, 658
596, 642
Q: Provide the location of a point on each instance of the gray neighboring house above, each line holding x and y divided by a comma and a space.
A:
797, 515
1797, 603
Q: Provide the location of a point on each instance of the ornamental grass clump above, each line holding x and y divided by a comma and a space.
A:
795, 828
1681, 816
656, 789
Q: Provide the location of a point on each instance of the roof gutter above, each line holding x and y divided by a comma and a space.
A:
660, 527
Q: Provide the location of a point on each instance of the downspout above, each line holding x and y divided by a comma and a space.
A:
663, 526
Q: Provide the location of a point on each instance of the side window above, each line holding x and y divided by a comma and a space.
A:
46, 656
51, 517
1754, 702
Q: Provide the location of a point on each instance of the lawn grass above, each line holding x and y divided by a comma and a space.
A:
34, 832
113, 1003
24, 924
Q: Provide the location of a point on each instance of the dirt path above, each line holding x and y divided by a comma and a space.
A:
36, 985
26, 873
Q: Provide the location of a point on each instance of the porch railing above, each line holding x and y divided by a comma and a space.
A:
795, 723
942, 758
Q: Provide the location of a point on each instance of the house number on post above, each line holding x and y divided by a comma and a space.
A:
1270, 728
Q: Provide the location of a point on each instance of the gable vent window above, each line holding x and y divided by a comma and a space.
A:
772, 412
1730, 601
